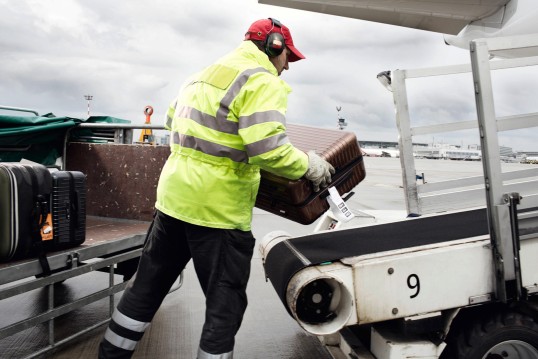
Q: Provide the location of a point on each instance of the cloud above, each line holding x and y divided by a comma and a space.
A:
132, 55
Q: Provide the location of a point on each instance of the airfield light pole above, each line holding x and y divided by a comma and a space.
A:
341, 121
88, 98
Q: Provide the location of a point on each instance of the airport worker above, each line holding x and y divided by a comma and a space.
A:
226, 124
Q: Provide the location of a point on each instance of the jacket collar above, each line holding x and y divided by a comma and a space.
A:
250, 50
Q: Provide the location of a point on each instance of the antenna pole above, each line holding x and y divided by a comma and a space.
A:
88, 98
341, 121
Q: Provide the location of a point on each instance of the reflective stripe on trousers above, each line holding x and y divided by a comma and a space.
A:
124, 332
204, 355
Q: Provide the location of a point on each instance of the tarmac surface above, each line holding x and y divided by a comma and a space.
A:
267, 331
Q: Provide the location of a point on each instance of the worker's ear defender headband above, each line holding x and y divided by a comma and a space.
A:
274, 42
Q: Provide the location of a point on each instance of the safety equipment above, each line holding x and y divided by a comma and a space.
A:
319, 171
274, 45
261, 30
226, 124
274, 42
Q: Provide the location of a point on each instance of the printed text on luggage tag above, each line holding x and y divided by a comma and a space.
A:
338, 206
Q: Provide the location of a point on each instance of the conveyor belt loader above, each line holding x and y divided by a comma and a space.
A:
457, 278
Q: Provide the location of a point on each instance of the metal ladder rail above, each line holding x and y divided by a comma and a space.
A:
419, 197
502, 206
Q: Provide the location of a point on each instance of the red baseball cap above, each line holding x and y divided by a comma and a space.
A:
261, 28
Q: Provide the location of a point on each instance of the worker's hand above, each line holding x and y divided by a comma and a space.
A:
319, 171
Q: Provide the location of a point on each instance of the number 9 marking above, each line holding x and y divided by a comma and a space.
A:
413, 283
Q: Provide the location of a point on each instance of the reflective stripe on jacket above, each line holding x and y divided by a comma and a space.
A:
227, 122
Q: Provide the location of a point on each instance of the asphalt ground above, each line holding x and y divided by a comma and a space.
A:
267, 331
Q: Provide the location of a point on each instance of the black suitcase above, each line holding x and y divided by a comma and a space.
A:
68, 204
25, 220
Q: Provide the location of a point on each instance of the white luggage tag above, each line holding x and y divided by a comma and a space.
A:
338, 206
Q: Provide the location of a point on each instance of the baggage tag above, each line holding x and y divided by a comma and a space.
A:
46, 230
338, 206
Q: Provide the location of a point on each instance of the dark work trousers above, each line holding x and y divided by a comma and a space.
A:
222, 262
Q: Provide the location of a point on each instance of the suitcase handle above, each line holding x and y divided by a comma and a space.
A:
340, 177
78, 206
77, 203
41, 210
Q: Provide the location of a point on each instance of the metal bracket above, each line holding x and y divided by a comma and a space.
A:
480, 298
73, 260
513, 199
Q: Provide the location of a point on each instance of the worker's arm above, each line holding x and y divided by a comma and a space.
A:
262, 126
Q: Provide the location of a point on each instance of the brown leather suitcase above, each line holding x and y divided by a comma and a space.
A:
295, 200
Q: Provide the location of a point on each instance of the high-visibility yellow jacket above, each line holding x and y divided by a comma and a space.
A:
227, 122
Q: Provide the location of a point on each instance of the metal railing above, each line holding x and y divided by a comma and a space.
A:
19, 109
68, 264
511, 198
118, 133
422, 198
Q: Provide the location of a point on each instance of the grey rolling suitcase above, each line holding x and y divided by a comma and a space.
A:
68, 209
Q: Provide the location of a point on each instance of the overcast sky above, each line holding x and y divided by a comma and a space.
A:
129, 54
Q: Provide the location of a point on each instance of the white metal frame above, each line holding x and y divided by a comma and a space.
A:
465, 192
502, 205
501, 198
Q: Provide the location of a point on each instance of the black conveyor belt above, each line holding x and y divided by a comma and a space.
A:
289, 256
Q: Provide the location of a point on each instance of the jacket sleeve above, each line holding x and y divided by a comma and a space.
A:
261, 109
